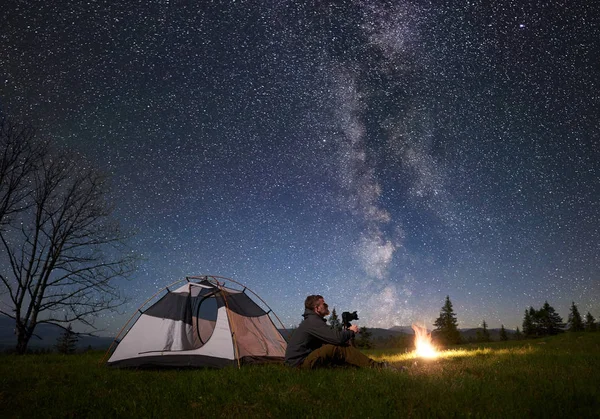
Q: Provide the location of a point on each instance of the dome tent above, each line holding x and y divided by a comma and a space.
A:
202, 323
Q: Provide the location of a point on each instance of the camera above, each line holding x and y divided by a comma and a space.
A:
347, 317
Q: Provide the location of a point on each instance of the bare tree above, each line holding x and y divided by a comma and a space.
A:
61, 253
20, 155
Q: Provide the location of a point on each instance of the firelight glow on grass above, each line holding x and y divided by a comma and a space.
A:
456, 353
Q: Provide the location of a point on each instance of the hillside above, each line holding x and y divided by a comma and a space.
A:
46, 336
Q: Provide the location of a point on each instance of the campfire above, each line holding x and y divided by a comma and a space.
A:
424, 347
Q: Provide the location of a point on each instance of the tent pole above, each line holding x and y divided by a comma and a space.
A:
264, 302
235, 344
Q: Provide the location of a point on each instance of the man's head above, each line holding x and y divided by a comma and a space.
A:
317, 304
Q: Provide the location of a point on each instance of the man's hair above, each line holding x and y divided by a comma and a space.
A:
311, 301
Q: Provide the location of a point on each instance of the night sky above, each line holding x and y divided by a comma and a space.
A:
384, 154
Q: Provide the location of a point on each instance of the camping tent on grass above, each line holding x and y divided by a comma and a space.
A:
202, 323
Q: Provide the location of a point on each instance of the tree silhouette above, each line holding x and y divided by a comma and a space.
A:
518, 334
503, 334
446, 324
550, 322
542, 322
60, 249
20, 159
67, 342
575, 321
590, 322
363, 339
529, 328
334, 321
484, 334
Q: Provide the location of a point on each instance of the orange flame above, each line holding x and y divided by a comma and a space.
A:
424, 347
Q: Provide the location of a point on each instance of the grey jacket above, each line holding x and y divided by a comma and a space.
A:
311, 334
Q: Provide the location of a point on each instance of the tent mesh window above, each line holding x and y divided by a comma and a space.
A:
204, 306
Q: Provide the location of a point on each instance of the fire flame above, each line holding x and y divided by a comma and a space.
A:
424, 347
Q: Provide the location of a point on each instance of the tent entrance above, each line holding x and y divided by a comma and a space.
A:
205, 310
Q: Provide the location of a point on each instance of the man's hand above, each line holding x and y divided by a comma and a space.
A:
354, 328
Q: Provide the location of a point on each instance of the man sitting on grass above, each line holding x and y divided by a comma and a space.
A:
314, 344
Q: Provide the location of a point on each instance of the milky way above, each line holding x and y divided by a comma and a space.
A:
383, 154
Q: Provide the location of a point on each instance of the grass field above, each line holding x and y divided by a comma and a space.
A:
554, 377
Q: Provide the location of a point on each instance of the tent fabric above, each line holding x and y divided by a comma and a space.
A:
205, 329
200, 324
242, 304
257, 336
172, 306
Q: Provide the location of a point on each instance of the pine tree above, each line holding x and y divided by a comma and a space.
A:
446, 324
67, 342
334, 321
550, 322
484, 334
575, 322
503, 334
590, 322
518, 334
363, 339
529, 328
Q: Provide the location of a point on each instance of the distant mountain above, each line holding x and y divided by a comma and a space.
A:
286, 333
404, 329
471, 334
7, 328
466, 333
379, 333
47, 335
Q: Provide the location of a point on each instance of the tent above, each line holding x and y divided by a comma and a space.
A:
202, 323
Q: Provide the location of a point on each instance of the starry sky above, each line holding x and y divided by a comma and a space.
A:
384, 154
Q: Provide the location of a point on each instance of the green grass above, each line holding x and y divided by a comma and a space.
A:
553, 377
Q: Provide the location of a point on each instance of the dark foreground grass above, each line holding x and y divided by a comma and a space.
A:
554, 377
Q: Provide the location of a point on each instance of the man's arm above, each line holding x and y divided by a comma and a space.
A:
323, 332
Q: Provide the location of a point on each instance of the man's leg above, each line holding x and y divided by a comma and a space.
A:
331, 354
